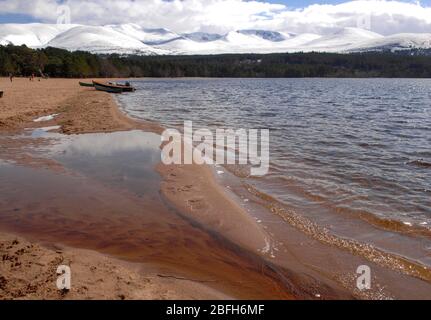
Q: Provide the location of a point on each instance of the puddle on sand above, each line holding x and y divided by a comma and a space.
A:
121, 159
108, 200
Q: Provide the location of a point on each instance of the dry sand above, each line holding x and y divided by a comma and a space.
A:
82, 110
191, 189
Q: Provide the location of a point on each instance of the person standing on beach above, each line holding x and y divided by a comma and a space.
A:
11, 77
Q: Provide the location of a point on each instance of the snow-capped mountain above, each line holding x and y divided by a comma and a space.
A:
342, 40
147, 36
134, 39
32, 35
202, 36
267, 35
100, 40
398, 42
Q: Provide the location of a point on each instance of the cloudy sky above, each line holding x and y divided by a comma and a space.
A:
315, 16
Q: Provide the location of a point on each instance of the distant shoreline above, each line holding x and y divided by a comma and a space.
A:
58, 63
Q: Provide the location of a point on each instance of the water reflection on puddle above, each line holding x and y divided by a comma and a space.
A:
123, 159
109, 187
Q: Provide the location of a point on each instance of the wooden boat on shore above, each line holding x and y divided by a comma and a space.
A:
126, 87
113, 87
84, 84
107, 88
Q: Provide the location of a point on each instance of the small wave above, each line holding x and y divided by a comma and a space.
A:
366, 145
403, 227
368, 251
268, 114
420, 163
181, 110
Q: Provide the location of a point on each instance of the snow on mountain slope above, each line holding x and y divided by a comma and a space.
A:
134, 39
233, 42
342, 40
267, 35
32, 35
147, 36
202, 36
402, 41
100, 40
300, 40
237, 42
241, 39
185, 46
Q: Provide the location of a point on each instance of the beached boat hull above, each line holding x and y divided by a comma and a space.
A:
126, 88
108, 88
83, 84
129, 89
113, 87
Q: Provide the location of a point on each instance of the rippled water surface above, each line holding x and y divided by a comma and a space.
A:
349, 146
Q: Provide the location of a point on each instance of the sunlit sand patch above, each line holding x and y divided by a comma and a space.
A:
46, 118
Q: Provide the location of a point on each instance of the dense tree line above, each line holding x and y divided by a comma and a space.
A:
20, 60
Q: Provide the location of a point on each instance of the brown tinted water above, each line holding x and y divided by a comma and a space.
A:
107, 199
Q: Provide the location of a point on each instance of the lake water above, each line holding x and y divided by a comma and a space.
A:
341, 149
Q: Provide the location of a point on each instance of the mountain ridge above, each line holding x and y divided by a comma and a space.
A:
129, 39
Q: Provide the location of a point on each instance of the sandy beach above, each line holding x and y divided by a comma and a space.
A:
208, 265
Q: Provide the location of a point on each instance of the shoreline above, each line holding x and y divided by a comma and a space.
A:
198, 197
76, 117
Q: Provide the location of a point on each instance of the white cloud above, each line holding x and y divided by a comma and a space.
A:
386, 17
